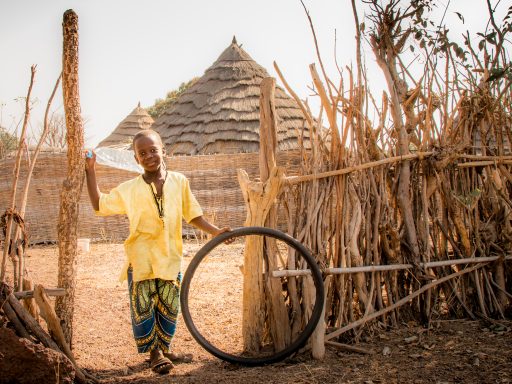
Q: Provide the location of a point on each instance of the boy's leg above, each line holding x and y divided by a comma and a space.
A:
143, 301
167, 310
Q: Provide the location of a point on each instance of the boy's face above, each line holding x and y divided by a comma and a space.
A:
149, 152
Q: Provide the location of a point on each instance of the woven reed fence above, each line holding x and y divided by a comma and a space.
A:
212, 179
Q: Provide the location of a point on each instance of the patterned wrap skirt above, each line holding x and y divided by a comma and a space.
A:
154, 306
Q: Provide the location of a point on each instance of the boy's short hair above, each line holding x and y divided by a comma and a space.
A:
146, 133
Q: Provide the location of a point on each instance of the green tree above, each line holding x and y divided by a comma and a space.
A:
157, 109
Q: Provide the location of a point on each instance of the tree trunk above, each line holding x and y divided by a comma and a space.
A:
72, 185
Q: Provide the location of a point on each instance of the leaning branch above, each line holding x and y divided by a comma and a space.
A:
16, 175
401, 302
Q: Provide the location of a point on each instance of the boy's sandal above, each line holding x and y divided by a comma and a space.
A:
161, 365
179, 357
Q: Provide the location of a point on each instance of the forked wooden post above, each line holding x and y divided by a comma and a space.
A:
259, 198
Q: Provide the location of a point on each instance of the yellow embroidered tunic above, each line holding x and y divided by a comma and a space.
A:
154, 245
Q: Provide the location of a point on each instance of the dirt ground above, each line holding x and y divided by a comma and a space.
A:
452, 351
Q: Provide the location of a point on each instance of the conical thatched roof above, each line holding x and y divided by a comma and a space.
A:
220, 112
123, 134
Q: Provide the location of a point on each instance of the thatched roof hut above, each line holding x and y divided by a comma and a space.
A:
220, 112
123, 134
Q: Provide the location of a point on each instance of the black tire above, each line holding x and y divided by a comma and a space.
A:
307, 330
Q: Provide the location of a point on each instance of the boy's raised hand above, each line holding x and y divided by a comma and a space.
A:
90, 158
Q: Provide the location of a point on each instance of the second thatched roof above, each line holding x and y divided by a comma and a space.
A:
220, 112
123, 134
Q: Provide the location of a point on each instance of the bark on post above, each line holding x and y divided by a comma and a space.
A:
279, 324
72, 185
259, 198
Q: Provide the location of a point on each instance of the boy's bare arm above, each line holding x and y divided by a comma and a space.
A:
92, 184
201, 223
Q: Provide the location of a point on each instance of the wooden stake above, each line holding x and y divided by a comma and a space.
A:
72, 186
279, 324
317, 338
30, 304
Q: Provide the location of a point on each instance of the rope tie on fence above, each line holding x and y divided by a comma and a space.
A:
12, 214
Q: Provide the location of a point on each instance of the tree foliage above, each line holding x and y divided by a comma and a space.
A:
8, 142
400, 20
157, 109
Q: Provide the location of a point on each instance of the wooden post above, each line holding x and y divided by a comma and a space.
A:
72, 185
268, 128
279, 324
259, 198
317, 338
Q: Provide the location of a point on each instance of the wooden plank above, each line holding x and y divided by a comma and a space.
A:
49, 291
391, 267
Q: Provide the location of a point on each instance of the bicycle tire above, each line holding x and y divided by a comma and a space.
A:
306, 332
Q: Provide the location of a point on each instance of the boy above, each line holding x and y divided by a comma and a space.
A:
155, 203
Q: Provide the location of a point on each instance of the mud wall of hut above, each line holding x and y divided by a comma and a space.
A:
213, 180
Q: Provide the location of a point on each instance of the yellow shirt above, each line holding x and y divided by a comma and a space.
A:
154, 246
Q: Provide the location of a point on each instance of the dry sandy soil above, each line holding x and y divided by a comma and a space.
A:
459, 351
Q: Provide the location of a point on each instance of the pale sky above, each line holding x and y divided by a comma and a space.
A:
131, 51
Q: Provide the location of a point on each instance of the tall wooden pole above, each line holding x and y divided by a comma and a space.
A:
259, 198
72, 185
278, 316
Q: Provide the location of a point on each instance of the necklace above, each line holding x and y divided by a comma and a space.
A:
159, 200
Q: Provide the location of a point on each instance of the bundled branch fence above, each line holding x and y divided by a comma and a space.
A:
409, 215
